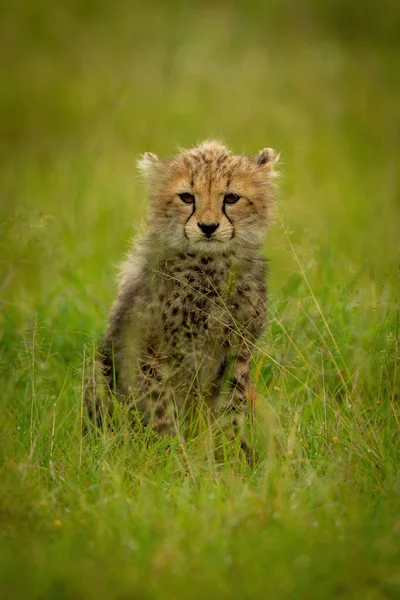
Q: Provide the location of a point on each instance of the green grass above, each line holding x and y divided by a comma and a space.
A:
87, 88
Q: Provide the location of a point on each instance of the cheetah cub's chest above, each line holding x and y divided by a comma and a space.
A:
196, 297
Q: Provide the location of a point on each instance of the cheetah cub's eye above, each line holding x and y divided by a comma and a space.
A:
187, 198
231, 198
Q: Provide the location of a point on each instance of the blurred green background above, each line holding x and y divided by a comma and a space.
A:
86, 88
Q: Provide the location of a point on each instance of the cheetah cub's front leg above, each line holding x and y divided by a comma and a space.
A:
241, 398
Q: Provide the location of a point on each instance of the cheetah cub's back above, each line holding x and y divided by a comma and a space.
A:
192, 296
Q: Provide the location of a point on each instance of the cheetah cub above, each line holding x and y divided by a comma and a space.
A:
192, 295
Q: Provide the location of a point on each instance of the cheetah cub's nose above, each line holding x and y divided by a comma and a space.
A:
208, 228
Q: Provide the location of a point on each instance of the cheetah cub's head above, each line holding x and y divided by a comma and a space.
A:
207, 200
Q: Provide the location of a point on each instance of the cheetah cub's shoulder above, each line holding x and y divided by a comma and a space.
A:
192, 296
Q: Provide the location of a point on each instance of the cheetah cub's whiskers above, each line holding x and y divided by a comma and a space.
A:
192, 295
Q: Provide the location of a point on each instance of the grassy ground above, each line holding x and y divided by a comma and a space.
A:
87, 88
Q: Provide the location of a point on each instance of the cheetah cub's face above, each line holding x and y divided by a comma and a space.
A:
207, 200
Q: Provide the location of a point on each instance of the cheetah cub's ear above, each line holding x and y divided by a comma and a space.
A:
151, 167
266, 155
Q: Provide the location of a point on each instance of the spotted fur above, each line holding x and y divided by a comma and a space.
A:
192, 295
